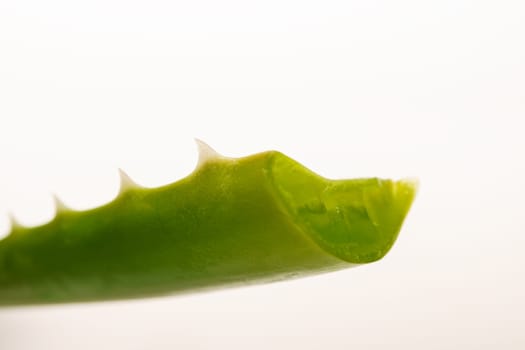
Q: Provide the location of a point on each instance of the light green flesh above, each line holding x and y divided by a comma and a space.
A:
356, 220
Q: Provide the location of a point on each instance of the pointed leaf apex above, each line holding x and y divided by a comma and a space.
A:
206, 153
126, 183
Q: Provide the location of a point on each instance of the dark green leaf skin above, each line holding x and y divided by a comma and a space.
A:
232, 221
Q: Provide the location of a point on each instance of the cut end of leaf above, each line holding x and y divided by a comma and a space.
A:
356, 220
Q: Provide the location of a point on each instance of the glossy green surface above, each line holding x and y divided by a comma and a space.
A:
232, 221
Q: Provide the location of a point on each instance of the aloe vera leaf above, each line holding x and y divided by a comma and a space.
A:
232, 221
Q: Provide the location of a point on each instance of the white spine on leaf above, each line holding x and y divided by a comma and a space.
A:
126, 183
206, 153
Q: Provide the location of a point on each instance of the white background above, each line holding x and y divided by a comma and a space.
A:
433, 89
